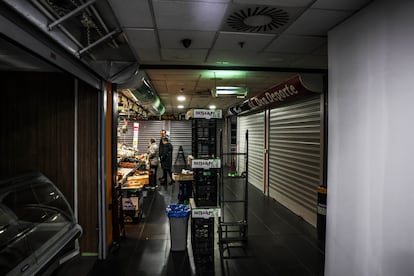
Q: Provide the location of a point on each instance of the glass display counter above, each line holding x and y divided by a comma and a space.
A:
37, 226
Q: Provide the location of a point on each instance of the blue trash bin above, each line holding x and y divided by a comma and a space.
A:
178, 216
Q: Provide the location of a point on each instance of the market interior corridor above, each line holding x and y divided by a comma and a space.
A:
279, 243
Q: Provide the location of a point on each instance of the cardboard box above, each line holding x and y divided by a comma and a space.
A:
182, 177
137, 180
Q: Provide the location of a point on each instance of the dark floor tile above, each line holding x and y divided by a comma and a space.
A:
80, 266
279, 242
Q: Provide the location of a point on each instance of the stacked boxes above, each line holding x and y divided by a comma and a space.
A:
204, 135
206, 170
203, 237
202, 231
205, 186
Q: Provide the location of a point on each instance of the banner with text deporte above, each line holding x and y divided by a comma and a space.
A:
290, 90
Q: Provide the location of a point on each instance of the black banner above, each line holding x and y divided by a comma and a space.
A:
292, 89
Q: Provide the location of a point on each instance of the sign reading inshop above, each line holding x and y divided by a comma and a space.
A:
287, 91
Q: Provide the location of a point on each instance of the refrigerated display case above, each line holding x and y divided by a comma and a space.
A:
37, 226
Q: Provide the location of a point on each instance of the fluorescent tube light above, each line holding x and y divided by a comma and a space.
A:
230, 90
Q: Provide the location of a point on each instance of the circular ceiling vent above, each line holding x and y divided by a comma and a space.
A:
258, 19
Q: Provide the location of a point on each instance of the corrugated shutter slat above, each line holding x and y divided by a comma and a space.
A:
295, 156
255, 125
180, 135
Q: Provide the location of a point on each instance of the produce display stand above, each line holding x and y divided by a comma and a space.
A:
132, 197
131, 188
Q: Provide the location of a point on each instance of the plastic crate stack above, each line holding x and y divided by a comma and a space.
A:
205, 188
202, 231
204, 136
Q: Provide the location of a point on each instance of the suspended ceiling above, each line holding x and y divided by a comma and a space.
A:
264, 42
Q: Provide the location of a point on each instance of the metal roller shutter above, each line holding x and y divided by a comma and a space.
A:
148, 130
180, 135
295, 156
255, 124
126, 138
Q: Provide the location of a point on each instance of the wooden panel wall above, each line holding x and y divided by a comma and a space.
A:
87, 166
37, 117
37, 122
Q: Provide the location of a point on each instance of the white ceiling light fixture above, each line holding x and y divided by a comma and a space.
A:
181, 98
230, 91
212, 106
180, 106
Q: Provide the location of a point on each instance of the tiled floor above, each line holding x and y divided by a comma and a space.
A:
279, 243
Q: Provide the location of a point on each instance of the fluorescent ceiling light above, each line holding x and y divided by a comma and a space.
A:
230, 90
212, 106
181, 98
180, 106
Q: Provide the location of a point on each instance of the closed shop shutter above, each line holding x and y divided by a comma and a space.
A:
125, 136
295, 156
148, 130
255, 124
180, 135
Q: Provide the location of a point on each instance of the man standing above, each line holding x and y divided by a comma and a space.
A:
166, 160
153, 162
161, 148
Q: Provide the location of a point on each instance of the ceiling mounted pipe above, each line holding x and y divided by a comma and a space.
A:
136, 82
148, 98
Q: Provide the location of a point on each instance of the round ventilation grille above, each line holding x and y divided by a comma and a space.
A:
259, 19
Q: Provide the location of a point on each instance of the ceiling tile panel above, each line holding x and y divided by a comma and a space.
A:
178, 15
209, 75
144, 43
240, 58
173, 39
281, 3
180, 72
311, 61
160, 86
317, 22
340, 4
149, 56
255, 18
274, 59
142, 38
296, 44
132, 13
180, 85
230, 57
242, 41
184, 56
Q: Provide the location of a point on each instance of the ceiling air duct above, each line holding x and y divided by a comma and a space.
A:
146, 96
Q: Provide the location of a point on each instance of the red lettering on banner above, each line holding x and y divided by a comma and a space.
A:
288, 90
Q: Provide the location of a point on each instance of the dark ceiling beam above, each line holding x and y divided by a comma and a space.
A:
235, 68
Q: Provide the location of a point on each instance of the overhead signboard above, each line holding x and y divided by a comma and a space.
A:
206, 163
204, 114
290, 90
